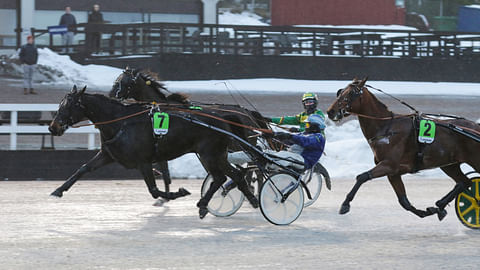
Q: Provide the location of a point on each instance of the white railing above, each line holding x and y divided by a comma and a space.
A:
14, 128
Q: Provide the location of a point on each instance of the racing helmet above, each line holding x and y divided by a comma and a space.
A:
315, 121
310, 102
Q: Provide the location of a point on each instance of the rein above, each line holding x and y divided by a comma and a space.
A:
111, 121
397, 99
176, 109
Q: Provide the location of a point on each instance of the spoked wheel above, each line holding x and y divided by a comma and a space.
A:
313, 181
279, 209
226, 200
467, 205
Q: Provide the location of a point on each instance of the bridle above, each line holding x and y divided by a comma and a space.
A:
355, 93
70, 121
132, 80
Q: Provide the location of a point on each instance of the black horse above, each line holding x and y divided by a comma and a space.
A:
130, 141
141, 86
144, 87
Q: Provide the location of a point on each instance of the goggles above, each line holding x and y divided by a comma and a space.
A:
309, 102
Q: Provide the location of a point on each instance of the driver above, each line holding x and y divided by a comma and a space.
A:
310, 103
306, 147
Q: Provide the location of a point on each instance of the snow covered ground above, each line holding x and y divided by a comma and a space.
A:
113, 225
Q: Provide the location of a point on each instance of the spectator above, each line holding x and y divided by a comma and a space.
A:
69, 21
28, 57
95, 17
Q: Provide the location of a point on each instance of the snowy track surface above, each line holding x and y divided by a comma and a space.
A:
113, 225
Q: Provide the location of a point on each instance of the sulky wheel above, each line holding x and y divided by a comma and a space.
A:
278, 210
467, 205
226, 200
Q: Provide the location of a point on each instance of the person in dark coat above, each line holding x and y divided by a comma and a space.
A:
69, 21
94, 38
28, 57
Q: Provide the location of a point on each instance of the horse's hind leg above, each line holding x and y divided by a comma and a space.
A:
218, 179
99, 160
242, 185
399, 188
147, 172
462, 181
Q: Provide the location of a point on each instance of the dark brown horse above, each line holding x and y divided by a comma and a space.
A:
393, 140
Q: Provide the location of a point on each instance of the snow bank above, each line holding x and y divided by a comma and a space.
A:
66, 71
266, 85
244, 18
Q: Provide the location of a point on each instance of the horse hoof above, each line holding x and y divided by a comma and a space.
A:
57, 193
441, 214
202, 212
183, 192
344, 209
254, 202
328, 183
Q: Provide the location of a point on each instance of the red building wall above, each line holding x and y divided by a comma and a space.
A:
336, 12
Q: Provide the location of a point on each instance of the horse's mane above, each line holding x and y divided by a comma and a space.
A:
148, 75
160, 88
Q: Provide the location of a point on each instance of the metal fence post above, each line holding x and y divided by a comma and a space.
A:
91, 141
13, 134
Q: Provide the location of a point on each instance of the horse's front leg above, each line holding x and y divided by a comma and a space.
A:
383, 168
147, 172
399, 188
99, 160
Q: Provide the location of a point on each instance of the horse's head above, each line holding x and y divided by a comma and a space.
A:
70, 112
125, 84
347, 100
133, 83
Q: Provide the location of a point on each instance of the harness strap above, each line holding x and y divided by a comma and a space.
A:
210, 106
224, 120
383, 118
421, 146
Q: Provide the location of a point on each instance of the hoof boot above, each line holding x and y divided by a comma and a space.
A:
202, 212
57, 193
344, 209
441, 214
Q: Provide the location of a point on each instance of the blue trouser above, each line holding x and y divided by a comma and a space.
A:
28, 75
